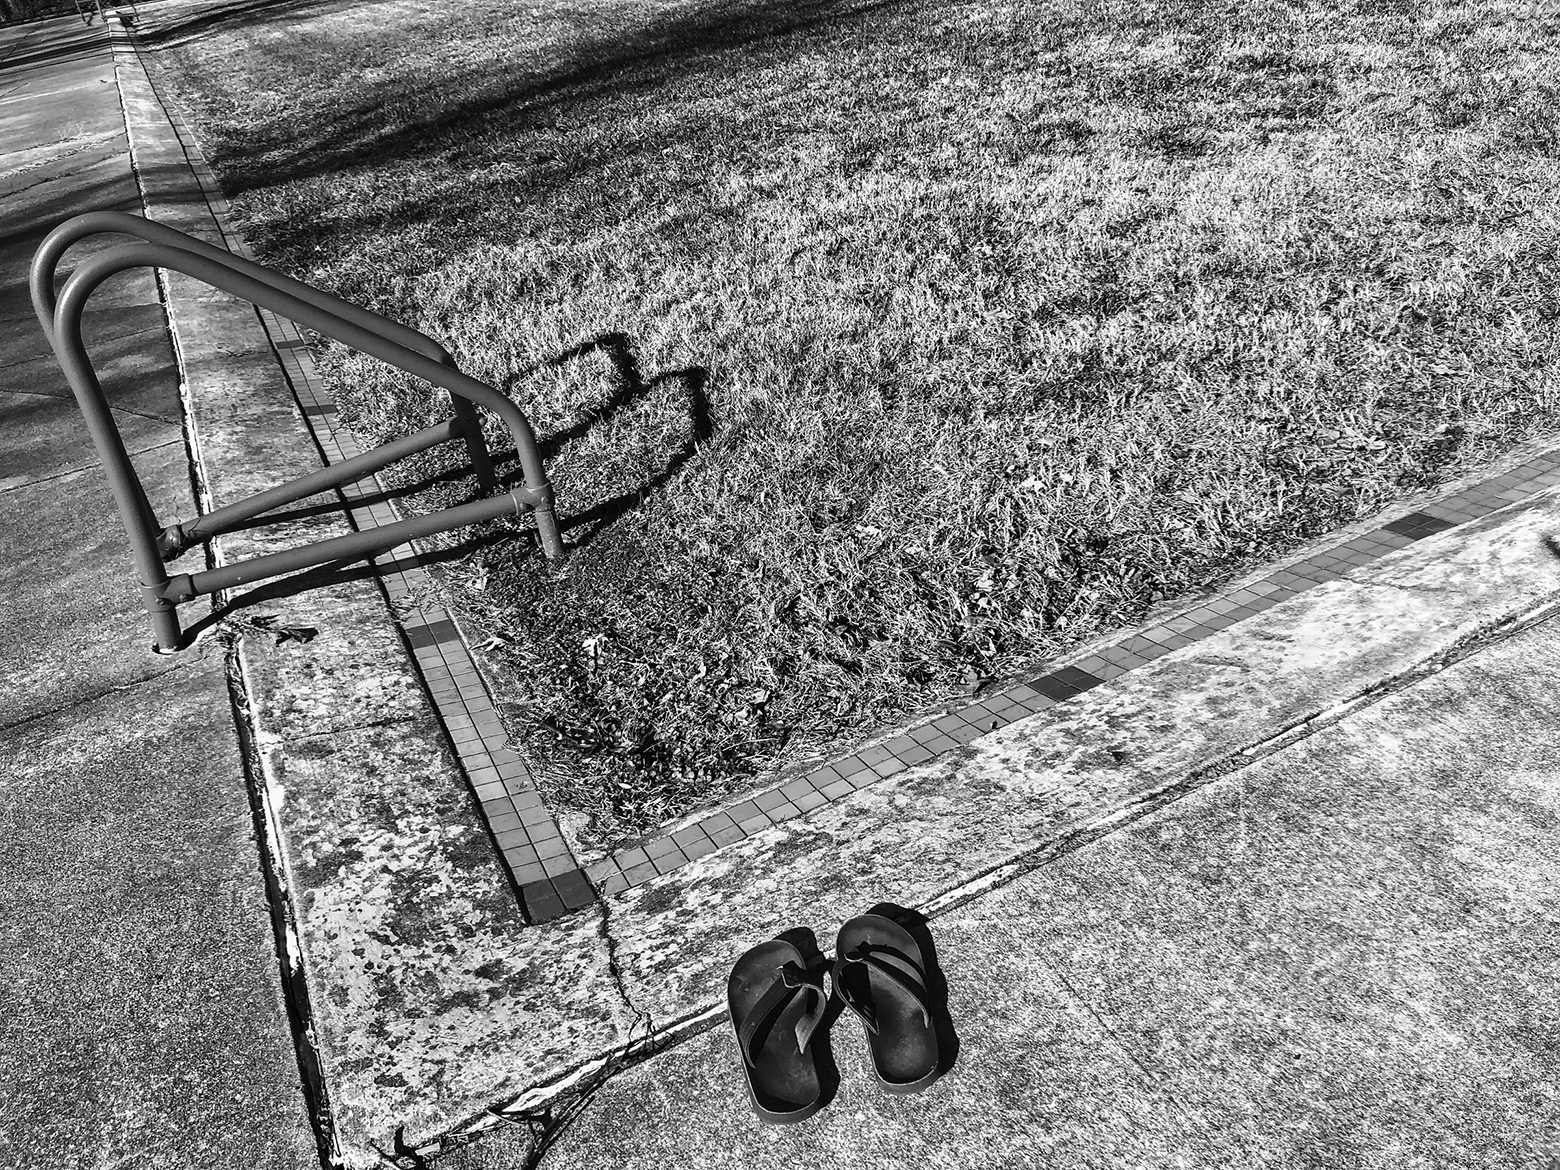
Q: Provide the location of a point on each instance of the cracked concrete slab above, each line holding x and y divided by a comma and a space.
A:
1344, 955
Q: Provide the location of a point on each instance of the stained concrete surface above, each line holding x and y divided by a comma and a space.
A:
1346, 955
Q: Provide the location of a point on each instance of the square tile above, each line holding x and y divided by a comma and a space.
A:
745, 811
665, 865
558, 865
757, 823
874, 755
699, 849
513, 839
533, 817
797, 789
639, 874
614, 883
915, 754
968, 733
769, 800
941, 744
837, 788
727, 834
504, 822
810, 800
660, 847
628, 858
551, 847
684, 838
526, 870
1005, 710
888, 767
924, 733
601, 870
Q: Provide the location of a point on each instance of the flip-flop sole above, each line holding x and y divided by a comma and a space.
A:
783, 1086
904, 1049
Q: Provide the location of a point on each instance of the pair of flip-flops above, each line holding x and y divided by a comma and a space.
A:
778, 1002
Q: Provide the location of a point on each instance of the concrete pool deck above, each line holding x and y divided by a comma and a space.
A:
1269, 882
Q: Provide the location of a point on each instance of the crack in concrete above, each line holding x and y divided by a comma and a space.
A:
82, 470
1156, 1077
390, 722
92, 698
125, 336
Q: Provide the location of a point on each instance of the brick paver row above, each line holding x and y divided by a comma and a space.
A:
550, 881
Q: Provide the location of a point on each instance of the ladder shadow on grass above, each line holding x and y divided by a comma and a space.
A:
631, 386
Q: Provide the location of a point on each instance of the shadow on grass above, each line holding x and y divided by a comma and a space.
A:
220, 17
339, 137
631, 386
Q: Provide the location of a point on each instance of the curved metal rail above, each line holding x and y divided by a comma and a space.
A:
393, 343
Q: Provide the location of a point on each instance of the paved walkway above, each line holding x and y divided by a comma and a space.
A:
142, 1021
1270, 883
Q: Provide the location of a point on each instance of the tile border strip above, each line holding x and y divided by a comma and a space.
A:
549, 881
662, 854
552, 884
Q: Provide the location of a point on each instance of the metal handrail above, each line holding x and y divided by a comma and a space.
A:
360, 329
46, 263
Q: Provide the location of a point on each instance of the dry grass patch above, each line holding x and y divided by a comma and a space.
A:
951, 333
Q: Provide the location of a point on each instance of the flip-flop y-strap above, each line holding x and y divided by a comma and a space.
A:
793, 980
897, 968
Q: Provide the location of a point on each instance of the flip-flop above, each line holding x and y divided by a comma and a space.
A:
776, 1005
880, 973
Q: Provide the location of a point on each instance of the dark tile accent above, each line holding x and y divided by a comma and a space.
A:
1065, 683
542, 903
423, 636
1417, 524
574, 889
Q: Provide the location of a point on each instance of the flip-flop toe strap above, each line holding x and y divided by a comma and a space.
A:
897, 968
792, 980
